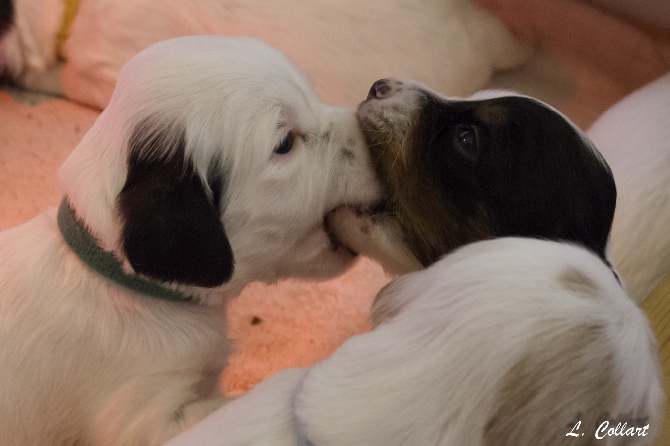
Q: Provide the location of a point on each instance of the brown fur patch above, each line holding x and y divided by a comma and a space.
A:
491, 114
432, 226
578, 282
566, 376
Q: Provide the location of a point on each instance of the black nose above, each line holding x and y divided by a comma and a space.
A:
379, 89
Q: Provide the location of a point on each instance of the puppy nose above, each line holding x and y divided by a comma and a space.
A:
380, 89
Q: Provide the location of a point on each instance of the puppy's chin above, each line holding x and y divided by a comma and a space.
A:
320, 255
334, 233
344, 220
374, 233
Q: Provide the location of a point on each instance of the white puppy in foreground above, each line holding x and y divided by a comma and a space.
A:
509, 341
212, 167
506, 342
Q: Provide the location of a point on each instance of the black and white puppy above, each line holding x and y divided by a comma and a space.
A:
503, 341
458, 171
212, 167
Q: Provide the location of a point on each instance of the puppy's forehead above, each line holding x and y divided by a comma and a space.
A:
494, 107
502, 108
491, 113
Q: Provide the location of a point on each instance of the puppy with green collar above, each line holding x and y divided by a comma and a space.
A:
213, 166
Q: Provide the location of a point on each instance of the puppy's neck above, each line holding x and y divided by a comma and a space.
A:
105, 263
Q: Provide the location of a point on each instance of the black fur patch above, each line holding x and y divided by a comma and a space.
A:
171, 230
533, 174
6, 15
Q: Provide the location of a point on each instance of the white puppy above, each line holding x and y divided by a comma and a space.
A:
503, 342
76, 47
634, 137
212, 167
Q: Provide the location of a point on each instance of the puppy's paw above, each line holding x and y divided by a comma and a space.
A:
350, 228
378, 236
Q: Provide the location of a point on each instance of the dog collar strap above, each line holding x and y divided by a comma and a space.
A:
84, 245
70, 8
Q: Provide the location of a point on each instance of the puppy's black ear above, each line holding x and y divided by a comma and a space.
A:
172, 229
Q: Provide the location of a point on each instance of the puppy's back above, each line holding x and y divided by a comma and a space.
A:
505, 342
588, 362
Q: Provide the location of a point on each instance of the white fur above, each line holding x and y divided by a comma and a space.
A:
341, 45
85, 361
486, 340
634, 138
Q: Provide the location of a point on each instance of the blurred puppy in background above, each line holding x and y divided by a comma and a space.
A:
635, 138
75, 48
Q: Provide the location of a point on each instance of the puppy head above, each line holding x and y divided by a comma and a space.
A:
496, 164
215, 163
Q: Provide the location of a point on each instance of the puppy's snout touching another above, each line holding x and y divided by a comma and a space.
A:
381, 89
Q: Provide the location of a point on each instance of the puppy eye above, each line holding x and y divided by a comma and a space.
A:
286, 145
465, 138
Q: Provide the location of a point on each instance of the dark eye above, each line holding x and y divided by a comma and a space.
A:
285, 146
465, 139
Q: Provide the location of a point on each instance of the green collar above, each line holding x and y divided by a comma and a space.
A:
84, 245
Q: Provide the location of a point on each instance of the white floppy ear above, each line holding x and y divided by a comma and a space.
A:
171, 227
